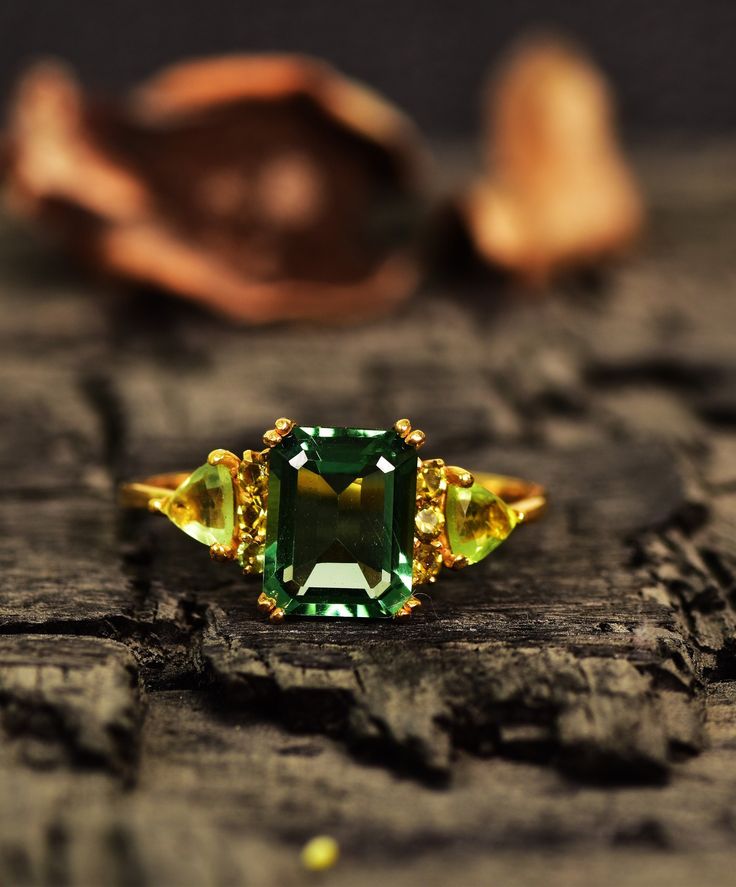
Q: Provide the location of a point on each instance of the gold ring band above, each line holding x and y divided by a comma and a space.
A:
356, 522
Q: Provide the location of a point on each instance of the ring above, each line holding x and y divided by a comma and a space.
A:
340, 521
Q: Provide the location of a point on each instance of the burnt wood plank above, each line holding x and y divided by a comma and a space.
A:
568, 705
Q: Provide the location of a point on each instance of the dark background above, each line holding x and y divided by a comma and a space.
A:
673, 63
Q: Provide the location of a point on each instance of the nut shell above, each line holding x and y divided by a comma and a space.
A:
266, 187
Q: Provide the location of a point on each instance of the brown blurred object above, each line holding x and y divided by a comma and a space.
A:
557, 192
267, 187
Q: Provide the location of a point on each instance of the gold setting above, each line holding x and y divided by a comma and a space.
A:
226, 458
281, 429
219, 552
253, 509
430, 543
415, 438
459, 476
249, 474
251, 491
284, 426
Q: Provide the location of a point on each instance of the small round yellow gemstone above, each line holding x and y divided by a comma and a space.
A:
429, 522
427, 562
250, 471
320, 854
431, 481
249, 513
250, 554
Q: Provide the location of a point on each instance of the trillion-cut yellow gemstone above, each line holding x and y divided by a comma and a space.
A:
477, 521
203, 505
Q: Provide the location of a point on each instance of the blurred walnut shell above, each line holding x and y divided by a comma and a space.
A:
266, 187
557, 192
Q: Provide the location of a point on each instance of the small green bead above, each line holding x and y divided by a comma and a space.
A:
477, 521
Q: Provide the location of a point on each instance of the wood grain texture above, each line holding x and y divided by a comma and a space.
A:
564, 713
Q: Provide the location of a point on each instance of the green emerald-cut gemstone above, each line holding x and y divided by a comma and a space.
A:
477, 521
203, 505
339, 530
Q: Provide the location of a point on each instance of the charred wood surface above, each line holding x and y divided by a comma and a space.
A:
564, 713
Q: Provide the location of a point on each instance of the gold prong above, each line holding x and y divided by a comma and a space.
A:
459, 476
454, 561
413, 602
416, 438
265, 603
271, 438
284, 426
220, 552
156, 504
226, 458
276, 615
403, 613
402, 427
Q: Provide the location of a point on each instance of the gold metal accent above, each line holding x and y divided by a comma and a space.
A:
265, 603
416, 438
268, 606
408, 608
454, 561
152, 492
226, 458
220, 552
284, 426
459, 476
281, 428
271, 438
